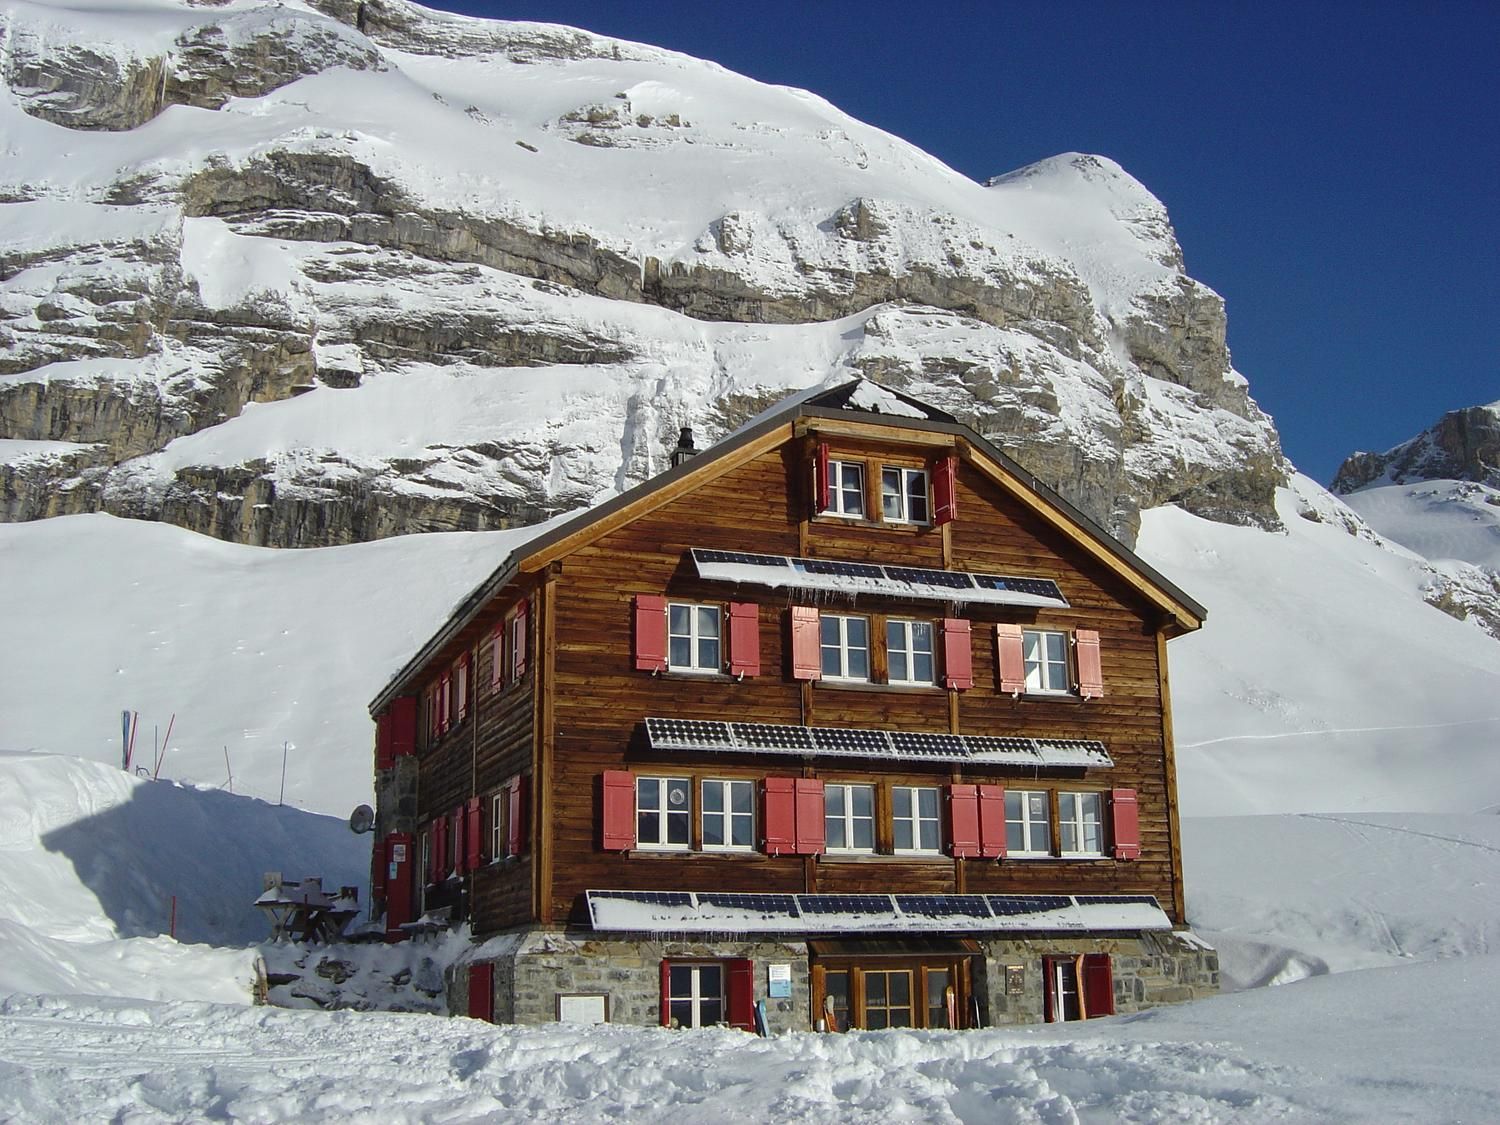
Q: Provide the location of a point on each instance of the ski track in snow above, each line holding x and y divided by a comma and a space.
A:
1405, 831
1325, 731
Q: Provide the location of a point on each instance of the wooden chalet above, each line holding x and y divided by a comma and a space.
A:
847, 719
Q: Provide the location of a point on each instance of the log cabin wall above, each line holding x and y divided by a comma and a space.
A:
761, 506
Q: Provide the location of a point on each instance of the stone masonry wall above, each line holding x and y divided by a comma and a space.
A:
1149, 971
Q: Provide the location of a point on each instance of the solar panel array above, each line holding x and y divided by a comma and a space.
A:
896, 581
726, 911
863, 742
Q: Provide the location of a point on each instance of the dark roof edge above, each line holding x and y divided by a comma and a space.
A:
468, 609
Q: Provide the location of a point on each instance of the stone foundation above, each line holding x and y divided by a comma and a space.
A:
533, 969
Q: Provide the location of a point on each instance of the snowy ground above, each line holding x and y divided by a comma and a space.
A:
1355, 1047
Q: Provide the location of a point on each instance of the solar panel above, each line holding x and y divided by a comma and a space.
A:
783, 905
649, 898
846, 904
954, 579
1008, 906
687, 734
1073, 751
928, 745
944, 906
834, 566
704, 554
851, 740
996, 746
1039, 587
770, 736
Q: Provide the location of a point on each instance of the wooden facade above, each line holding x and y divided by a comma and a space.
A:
535, 693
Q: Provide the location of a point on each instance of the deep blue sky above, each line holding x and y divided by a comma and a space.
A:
1332, 168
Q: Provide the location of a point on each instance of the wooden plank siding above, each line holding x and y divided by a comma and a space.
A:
578, 710
599, 699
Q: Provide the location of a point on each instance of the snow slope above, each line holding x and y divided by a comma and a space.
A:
1441, 520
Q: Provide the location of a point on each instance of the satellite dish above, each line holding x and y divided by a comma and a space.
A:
362, 819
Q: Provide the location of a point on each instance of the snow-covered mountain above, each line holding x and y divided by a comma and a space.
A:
1438, 494
319, 272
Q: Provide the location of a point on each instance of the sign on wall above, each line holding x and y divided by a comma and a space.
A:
779, 981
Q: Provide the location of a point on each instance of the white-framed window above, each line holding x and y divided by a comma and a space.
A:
695, 995
499, 824
1046, 656
693, 640
663, 811
903, 495
845, 646
461, 687
728, 816
1028, 829
914, 814
849, 817
515, 652
909, 652
1081, 823
846, 489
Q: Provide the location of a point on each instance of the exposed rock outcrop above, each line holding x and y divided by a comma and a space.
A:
1461, 445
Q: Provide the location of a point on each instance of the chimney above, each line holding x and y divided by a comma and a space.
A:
685, 447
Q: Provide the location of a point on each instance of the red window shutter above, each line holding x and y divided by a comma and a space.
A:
475, 831
812, 833
1098, 985
403, 726
497, 654
383, 754
963, 820
650, 633
807, 659
515, 825
1010, 659
1125, 823
666, 994
522, 619
1090, 673
958, 655
739, 984
461, 688
744, 639
460, 832
991, 821
944, 488
779, 815
619, 811
820, 478
482, 992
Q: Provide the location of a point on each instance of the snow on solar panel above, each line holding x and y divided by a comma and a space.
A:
954, 579
1007, 906
944, 906
834, 566
785, 905
746, 558
648, 898
846, 904
1073, 752
998, 747
1038, 587
1115, 900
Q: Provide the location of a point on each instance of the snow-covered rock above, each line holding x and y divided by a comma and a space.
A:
565, 247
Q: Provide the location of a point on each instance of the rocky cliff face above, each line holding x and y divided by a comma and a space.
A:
313, 273
1461, 445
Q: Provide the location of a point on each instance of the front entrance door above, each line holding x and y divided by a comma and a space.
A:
870, 994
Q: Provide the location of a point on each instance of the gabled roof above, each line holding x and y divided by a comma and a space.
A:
852, 407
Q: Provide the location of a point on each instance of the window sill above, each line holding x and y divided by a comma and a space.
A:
696, 854
834, 519
866, 685
1048, 697
884, 857
695, 674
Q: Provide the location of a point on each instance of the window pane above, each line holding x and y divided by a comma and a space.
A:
900, 988
864, 800
713, 830
927, 802
937, 998
833, 800
682, 1012
708, 621
859, 632
744, 830
864, 835
680, 978
677, 828
741, 796
679, 618
828, 630
713, 796
903, 836
680, 652
708, 653
646, 793
859, 663
901, 799
923, 673
875, 984
930, 840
